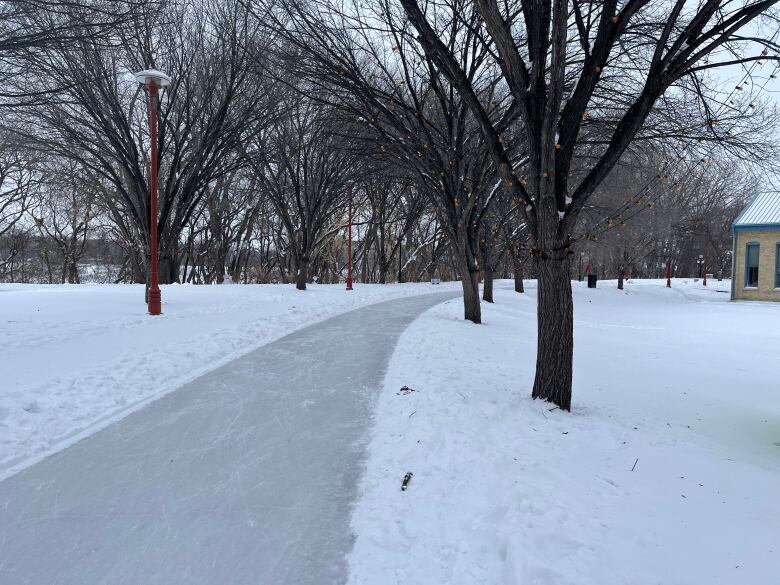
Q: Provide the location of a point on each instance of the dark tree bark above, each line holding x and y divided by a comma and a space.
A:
519, 288
301, 273
472, 311
72, 270
555, 318
469, 275
169, 262
517, 265
486, 248
487, 285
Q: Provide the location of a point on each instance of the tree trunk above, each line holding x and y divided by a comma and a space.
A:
469, 279
621, 275
47, 259
486, 250
302, 273
221, 264
238, 264
555, 318
471, 307
168, 269
138, 271
519, 288
487, 289
169, 258
73, 272
517, 266
383, 262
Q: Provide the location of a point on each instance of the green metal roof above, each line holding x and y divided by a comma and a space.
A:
762, 211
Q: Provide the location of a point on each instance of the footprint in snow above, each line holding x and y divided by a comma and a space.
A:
32, 407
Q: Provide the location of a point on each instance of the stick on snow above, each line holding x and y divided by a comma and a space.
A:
407, 479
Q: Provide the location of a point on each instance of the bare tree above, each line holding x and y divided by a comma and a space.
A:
31, 26
362, 59
100, 118
17, 178
62, 211
304, 171
556, 58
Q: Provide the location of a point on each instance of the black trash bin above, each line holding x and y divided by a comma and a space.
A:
592, 281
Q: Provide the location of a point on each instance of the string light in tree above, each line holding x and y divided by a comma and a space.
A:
682, 158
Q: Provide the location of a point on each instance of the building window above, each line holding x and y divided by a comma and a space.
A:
751, 265
777, 266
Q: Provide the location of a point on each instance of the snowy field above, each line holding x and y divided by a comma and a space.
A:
666, 472
75, 358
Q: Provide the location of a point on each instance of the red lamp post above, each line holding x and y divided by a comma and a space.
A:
349, 240
153, 80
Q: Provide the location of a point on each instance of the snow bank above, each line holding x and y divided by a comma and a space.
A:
74, 358
666, 472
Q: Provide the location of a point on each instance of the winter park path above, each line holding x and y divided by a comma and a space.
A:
244, 476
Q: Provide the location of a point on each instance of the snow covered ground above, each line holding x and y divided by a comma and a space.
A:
75, 358
666, 472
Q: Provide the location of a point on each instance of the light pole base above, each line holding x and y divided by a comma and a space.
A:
155, 301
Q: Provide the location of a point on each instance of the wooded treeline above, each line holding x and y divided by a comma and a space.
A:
59, 233
478, 138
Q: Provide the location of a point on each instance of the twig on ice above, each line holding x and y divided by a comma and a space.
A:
635, 462
407, 478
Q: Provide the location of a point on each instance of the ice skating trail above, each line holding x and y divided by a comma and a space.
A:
244, 476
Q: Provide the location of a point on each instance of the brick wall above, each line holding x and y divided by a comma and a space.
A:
767, 240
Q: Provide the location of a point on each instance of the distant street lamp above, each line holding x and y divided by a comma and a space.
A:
153, 80
349, 240
706, 253
700, 263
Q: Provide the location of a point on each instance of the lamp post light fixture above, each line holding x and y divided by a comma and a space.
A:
700, 263
153, 80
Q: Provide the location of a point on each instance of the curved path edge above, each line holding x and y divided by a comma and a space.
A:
245, 475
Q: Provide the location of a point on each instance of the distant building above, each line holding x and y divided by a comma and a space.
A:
756, 252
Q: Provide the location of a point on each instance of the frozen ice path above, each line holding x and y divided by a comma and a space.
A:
243, 476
